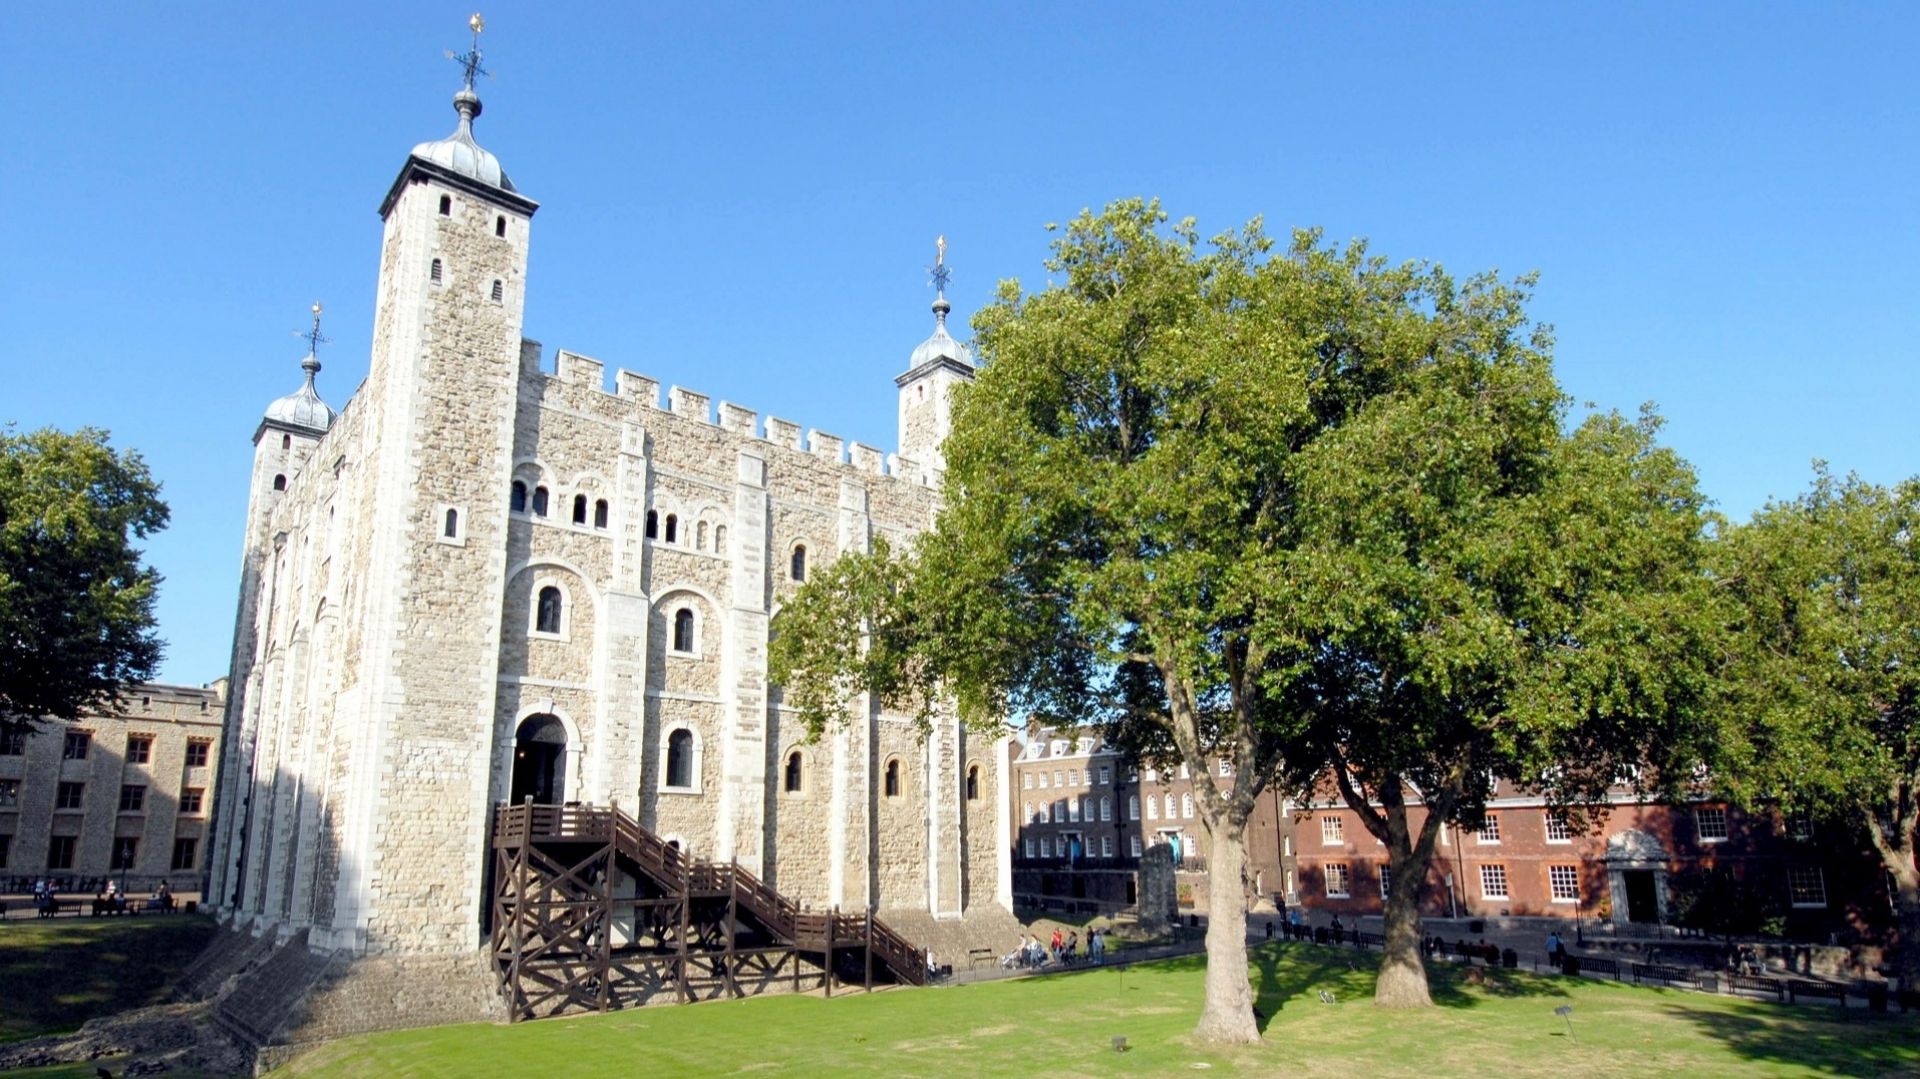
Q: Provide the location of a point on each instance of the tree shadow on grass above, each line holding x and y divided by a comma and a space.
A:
1825, 1040
1298, 973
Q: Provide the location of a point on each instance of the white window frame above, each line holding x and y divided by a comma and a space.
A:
1186, 806
1386, 879
1153, 808
1043, 779
1819, 882
1106, 775
1133, 807
459, 537
1489, 833
1106, 808
1106, 846
1554, 822
1133, 845
1345, 873
1026, 781
1029, 846
1700, 823
1333, 830
1073, 811
1046, 846
1489, 871
1226, 767
1554, 879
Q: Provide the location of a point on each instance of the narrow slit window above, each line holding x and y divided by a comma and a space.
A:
893, 778
451, 528
539, 501
433, 272
653, 524
496, 292
795, 772
547, 619
700, 536
798, 570
680, 758
720, 539
499, 226
446, 206
683, 630
286, 442
579, 509
600, 513
673, 528
518, 503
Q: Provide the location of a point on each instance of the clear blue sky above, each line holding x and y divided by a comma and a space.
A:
1721, 200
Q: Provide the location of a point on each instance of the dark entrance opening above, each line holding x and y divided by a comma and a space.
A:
1133, 891
1641, 904
539, 755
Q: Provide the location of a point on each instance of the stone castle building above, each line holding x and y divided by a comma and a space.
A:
484, 580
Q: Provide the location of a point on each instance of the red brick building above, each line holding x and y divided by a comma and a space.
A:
1635, 863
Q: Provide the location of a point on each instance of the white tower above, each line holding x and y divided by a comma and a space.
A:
938, 364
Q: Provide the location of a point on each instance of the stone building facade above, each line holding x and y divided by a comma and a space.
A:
1087, 815
122, 794
491, 579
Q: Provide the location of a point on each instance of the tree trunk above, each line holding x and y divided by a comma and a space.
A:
1403, 973
1227, 1016
1906, 919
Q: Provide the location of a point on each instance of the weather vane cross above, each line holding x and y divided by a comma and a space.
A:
470, 60
313, 337
941, 274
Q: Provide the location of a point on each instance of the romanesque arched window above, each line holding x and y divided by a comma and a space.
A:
499, 226
653, 524
280, 483
683, 630
973, 783
798, 570
1169, 813
673, 529
719, 539
1186, 806
450, 528
446, 206
700, 536
286, 442
539, 501
579, 509
1133, 807
893, 778
518, 502
1106, 808
599, 513
680, 758
795, 772
547, 616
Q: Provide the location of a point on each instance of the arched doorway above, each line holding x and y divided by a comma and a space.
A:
540, 760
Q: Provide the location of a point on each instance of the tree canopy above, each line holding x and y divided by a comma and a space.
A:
76, 604
1825, 673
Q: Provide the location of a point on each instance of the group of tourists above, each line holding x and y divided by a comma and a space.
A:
1063, 950
108, 899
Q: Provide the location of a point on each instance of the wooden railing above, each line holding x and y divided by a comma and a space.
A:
672, 868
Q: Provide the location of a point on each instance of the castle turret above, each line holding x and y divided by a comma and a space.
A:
937, 364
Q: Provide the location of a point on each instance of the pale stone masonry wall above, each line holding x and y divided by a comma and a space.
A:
169, 718
387, 648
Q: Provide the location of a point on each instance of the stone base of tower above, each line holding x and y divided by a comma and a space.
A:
276, 1000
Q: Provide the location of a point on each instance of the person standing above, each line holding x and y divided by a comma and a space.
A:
1556, 951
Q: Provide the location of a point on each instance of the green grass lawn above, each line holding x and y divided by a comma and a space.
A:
1064, 1025
59, 973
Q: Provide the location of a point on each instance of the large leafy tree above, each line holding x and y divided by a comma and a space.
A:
1826, 710
1487, 597
76, 604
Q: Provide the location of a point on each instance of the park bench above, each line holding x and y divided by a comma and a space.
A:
977, 956
1661, 974
1369, 940
1738, 984
1583, 964
1798, 988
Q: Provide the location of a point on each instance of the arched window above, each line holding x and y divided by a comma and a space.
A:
1106, 808
795, 772
673, 529
653, 524
1169, 813
499, 226
446, 206
286, 442
1186, 805
1153, 808
280, 483
1133, 807
700, 535
579, 509
1028, 815
451, 527
680, 758
518, 503
599, 513
798, 571
496, 292
893, 778
719, 539
683, 630
433, 272
539, 501
547, 617
973, 783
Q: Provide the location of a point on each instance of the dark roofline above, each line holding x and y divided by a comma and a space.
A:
512, 200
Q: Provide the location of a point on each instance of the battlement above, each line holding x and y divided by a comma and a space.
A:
573, 369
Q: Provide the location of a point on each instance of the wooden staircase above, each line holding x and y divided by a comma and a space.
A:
563, 941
